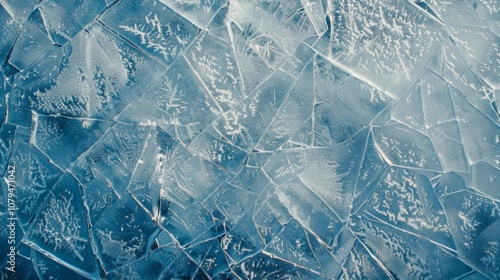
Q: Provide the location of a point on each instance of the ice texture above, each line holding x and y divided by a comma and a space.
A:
250, 139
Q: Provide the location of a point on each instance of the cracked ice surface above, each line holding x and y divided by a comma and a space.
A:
250, 139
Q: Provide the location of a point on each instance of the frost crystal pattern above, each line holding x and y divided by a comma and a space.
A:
249, 139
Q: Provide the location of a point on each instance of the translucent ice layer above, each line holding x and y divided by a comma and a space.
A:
249, 139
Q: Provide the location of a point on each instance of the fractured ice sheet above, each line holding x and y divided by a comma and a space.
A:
260, 139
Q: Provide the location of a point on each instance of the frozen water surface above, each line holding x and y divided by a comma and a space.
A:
261, 139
